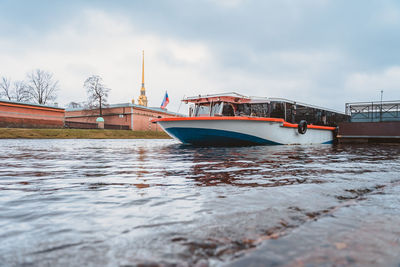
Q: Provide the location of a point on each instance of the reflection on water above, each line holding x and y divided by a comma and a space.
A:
126, 202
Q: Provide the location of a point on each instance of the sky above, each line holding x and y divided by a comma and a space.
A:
321, 52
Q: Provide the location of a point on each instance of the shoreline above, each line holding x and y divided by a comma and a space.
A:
28, 133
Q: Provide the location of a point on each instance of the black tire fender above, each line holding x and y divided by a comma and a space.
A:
302, 127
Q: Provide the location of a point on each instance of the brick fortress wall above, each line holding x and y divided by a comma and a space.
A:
120, 116
23, 115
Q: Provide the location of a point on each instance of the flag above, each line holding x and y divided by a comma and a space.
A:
165, 100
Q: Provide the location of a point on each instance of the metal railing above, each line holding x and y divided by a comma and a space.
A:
378, 111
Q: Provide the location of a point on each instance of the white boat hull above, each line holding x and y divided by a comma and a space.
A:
242, 132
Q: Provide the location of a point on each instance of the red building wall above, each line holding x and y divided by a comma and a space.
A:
13, 114
132, 116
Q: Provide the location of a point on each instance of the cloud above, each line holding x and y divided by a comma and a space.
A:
228, 3
363, 86
96, 43
312, 51
388, 15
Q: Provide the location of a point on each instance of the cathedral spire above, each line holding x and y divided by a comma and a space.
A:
142, 98
143, 71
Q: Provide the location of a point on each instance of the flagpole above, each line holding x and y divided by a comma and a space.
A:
180, 104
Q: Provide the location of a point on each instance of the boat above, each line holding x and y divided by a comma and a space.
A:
233, 119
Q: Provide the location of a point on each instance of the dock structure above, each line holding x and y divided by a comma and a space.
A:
371, 122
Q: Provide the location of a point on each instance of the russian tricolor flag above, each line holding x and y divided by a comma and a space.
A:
165, 100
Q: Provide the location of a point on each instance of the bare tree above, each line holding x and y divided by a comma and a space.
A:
20, 92
97, 92
16, 92
5, 88
41, 86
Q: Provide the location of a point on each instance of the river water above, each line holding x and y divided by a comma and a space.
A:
156, 202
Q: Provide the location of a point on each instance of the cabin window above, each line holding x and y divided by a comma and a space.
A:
191, 111
216, 109
202, 110
277, 110
259, 110
243, 110
227, 110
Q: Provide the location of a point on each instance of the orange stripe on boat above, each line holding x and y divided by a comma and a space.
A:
290, 125
224, 118
310, 126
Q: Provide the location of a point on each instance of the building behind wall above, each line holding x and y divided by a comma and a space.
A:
119, 116
26, 115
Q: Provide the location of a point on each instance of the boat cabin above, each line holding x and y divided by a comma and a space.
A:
234, 104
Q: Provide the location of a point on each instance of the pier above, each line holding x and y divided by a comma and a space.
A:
371, 122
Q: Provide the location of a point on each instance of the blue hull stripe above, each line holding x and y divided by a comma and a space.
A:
211, 137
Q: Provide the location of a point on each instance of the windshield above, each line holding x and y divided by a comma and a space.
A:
230, 109
202, 110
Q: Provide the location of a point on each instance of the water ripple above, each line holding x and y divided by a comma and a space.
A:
131, 202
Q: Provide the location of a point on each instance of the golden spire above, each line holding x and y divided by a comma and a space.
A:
143, 72
142, 98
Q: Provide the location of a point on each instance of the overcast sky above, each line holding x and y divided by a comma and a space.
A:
323, 52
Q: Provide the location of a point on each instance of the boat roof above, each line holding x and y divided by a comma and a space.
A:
226, 97
236, 98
